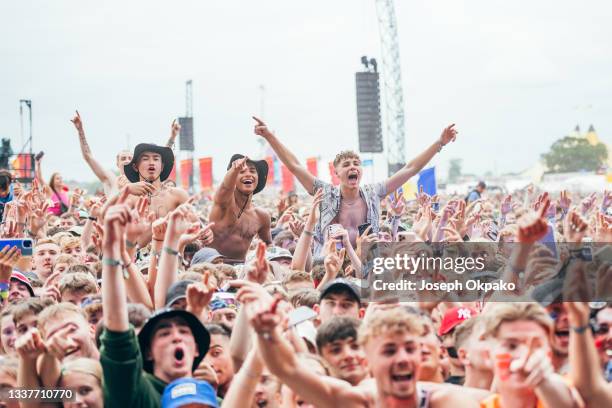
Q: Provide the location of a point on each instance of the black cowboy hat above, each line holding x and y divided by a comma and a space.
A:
200, 335
167, 157
261, 166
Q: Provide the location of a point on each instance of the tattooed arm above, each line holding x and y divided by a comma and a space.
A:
106, 177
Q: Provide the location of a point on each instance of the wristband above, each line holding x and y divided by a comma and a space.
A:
92, 218
309, 233
170, 251
130, 244
115, 263
156, 254
580, 329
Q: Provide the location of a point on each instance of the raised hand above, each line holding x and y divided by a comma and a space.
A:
175, 128
564, 201
30, 345
8, 258
423, 198
603, 228
77, 122
574, 227
587, 203
535, 365
261, 128
141, 220
179, 220
159, 227
197, 232
533, 225
449, 134
60, 344
259, 270
115, 222
240, 165
606, 201
334, 259
296, 227
199, 295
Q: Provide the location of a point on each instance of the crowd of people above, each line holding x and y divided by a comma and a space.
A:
140, 295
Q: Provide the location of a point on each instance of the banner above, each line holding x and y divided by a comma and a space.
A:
332, 172
311, 165
270, 179
206, 177
186, 173
287, 179
22, 166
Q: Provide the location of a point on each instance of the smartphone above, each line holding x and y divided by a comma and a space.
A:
332, 232
493, 232
301, 315
362, 228
39, 155
23, 244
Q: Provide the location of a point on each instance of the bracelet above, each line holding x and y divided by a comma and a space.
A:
158, 240
440, 145
170, 251
580, 329
156, 254
309, 233
130, 244
114, 263
92, 218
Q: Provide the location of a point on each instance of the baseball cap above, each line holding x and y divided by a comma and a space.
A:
186, 391
177, 291
454, 317
205, 255
340, 284
275, 252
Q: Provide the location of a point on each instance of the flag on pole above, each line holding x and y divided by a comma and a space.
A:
287, 179
186, 173
270, 179
311, 165
206, 178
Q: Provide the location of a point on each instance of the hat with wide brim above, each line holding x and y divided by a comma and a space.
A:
200, 335
261, 166
167, 157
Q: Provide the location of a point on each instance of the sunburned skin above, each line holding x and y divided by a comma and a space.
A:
236, 220
233, 235
352, 214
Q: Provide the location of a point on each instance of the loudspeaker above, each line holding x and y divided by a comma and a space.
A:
186, 135
369, 123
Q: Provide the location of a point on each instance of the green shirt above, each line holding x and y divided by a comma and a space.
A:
125, 382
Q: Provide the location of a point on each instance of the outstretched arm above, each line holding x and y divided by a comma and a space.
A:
295, 167
174, 131
415, 165
113, 287
225, 193
103, 175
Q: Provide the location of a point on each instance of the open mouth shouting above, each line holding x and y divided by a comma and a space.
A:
261, 402
353, 176
248, 182
402, 377
179, 356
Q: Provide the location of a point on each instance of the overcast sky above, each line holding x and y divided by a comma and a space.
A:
514, 76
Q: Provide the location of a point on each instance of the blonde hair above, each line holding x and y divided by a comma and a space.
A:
78, 281
343, 155
9, 365
396, 320
64, 258
57, 310
83, 365
500, 313
70, 242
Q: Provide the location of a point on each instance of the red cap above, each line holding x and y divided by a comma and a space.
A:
18, 276
454, 317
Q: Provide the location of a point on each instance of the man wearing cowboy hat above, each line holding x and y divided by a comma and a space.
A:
236, 220
151, 165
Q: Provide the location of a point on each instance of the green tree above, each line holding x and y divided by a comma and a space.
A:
575, 154
454, 170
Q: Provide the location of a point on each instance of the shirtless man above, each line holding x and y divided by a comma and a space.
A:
236, 220
149, 167
109, 180
392, 343
349, 204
